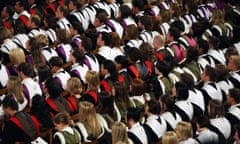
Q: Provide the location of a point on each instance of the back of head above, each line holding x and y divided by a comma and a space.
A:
184, 130
134, 114
235, 94
154, 107
169, 137
56, 61
26, 69
181, 91
119, 132
62, 118
53, 88
10, 103
216, 109
147, 22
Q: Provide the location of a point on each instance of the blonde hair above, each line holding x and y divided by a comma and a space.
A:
93, 80
88, 117
169, 138
42, 40
75, 85
15, 88
17, 56
119, 133
184, 130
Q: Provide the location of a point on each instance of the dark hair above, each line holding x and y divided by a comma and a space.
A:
134, 54
202, 120
26, 69
87, 43
107, 38
175, 32
102, 16
76, 3
122, 60
182, 91
164, 67
217, 109
77, 26
51, 21
10, 102
187, 79
211, 72
138, 4
214, 41
22, 3
78, 55
121, 94
111, 67
146, 52
41, 111
235, 94
203, 44
63, 9
106, 105
192, 54
168, 101
147, 22
53, 87
179, 25
133, 113
10, 10
56, 61
154, 107
44, 72
125, 10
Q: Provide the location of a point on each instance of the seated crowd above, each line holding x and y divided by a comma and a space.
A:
120, 72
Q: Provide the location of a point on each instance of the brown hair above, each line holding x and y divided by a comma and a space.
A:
15, 88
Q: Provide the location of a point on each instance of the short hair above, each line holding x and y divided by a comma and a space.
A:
56, 61
63, 36
138, 4
9, 102
107, 38
192, 54
164, 67
87, 43
132, 31
134, 54
154, 107
146, 20
77, 3
214, 41
235, 94
102, 16
179, 25
217, 109
203, 44
187, 79
22, 3
133, 113
175, 32
202, 121
35, 19
44, 72
63, 118
125, 11
211, 72
26, 69
182, 91
79, 56
185, 130
64, 10
122, 60
5, 33
77, 26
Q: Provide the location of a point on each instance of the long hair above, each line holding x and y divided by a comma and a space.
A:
36, 52
170, 138
15, 88
121, 94
88, 117
93, 81
119, 133
184, 130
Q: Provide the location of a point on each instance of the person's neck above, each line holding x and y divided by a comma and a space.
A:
202, 129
